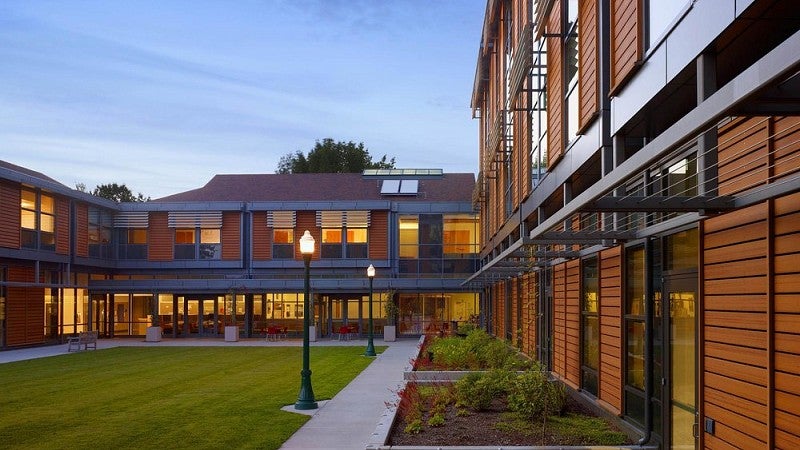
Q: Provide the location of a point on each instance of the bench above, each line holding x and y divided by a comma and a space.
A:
85, 339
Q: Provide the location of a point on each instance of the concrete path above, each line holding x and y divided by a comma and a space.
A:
348, 421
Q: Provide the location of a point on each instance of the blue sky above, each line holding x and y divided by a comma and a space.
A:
162, 95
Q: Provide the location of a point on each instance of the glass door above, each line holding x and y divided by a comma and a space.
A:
680, 326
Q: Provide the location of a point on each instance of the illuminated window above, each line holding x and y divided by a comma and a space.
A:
409, 237
132, 243
188, 247
590, 330
37, 220
283, 243
460, 234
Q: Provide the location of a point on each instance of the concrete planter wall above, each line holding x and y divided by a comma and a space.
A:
389, 333
153, 334
231, 333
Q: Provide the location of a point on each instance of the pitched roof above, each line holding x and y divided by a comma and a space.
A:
453, 187
27, 172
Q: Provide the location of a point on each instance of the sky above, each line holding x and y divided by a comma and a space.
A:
162, 95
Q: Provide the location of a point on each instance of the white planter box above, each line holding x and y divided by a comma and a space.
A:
312, 333
231, 333
389, 333
153, 334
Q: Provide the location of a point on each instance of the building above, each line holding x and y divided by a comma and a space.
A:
639, 208
228, 252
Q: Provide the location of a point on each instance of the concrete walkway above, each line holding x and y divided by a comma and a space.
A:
346, 422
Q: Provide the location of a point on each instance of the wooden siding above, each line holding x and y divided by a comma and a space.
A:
9, 215
529, 313
379, 235
231, 235
743, 154
626, 40
610, 373
735, 359
160, 238
515, 312
786, 145
307, 220
560, 320
751, 359
24, 309
573, 323
62, 226
262, 236
82, 230
555, 88
588, 66
786, 327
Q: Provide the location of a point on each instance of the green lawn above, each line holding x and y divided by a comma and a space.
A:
165, 397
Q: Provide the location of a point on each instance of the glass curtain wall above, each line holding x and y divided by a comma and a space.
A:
434, 313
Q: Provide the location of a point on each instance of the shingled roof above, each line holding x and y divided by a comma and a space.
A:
453, 187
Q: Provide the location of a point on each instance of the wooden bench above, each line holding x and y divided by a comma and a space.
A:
85, 339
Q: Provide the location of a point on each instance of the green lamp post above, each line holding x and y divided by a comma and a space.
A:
370, 345
305, 400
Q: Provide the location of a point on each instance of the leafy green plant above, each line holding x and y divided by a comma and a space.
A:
533, 395
478, 390
436, 420
413, 427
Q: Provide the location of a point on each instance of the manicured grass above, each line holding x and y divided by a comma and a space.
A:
165, 397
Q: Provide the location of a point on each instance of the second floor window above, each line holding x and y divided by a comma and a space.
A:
99, 233
283, 243
133, 243
37, 220
197, 243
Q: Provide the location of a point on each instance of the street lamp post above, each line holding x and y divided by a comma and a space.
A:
305, 400
370, 345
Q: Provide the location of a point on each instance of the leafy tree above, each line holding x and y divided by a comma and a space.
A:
332, 157
113, 191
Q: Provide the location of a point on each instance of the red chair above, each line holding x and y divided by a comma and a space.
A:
344, 333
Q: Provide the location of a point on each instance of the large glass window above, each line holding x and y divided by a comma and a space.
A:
438, 244
283, 243
590, 338
634, 333
356, 242
37, 220
409, 237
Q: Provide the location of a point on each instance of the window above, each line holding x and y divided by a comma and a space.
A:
99, 233
634, 334
188, 247
409, 237
37, 220
590, 329
344, 234
460, 234
331, 243
283, 243
571, 100
132, 243
356, 242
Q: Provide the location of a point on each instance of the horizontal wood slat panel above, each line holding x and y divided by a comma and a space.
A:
82, 231
231, 235
160, 238
262, 236
379, 235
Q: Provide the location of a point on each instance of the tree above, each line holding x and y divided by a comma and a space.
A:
332, 157
113, 191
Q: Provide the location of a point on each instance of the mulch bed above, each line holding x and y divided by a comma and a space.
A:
479, 428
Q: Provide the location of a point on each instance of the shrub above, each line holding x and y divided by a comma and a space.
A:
477, 390
533, 395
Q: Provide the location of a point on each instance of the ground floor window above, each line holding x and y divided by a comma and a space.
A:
432, 313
